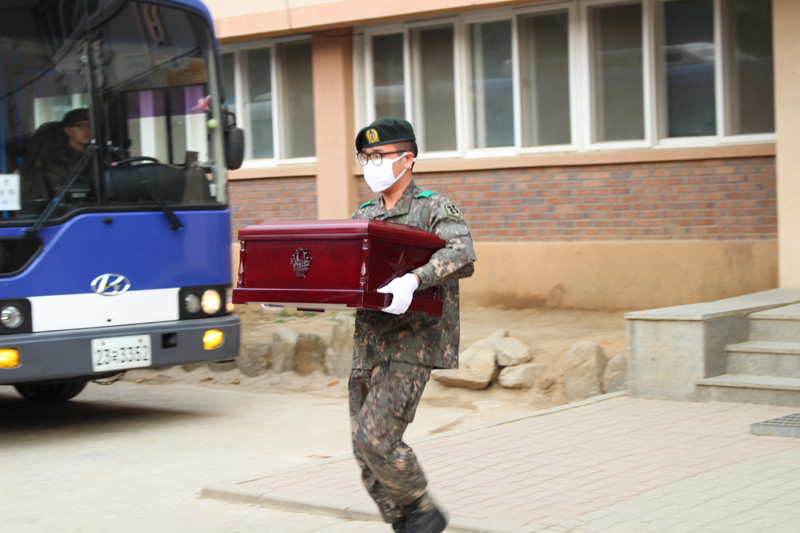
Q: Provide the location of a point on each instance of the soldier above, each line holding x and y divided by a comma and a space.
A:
394, 351
55, 150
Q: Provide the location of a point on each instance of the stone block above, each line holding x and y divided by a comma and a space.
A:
282, 353
309, 353
583, 378
254, 361
339, 357
615, 377
521, 376
511, 352
477, 365
226, 366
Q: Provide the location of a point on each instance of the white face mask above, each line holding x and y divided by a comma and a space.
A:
380, 178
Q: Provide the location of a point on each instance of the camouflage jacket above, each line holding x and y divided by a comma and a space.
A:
418, 338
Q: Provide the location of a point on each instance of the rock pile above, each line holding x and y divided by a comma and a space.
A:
496, 357
303, 353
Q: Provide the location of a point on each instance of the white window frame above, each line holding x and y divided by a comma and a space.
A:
414, 70
581, 80
467, 111
571, 8
278, 116
588, 77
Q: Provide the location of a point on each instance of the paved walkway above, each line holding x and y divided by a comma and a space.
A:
614, 463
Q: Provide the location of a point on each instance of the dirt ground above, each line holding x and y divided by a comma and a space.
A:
548, 332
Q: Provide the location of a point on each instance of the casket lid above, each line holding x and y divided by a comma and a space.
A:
341, 229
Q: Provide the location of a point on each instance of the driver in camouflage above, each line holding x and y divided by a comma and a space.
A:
395, 351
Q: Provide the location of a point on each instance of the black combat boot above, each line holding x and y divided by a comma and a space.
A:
399, 526
428, 521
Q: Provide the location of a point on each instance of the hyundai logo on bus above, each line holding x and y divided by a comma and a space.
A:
110, 284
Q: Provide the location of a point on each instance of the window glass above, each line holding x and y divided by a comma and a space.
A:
388, 75
435, 95
78, 140
297, 100
492, 84
617, 77
687, 99
228, 67
544, 72
751, 76
258, 103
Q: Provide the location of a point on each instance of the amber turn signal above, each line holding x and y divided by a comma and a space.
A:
9, 358
213, 339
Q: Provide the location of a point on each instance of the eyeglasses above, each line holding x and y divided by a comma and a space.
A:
81, 125
375, 157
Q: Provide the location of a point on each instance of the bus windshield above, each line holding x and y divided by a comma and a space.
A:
119, 97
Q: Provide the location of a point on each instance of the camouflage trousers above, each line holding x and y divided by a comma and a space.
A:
383, 401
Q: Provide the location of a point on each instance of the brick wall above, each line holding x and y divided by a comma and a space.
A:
711, 199
254, 201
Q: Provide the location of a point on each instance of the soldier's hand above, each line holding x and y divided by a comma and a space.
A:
402, 291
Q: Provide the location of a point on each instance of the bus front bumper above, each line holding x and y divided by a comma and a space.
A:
67, 355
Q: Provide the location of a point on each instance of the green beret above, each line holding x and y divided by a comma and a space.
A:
384, 131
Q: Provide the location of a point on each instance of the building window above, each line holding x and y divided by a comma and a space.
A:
686, 59
388, 75
544, 79
435, 94
297, 100
749, 83
491, 84
257, 105
617, 86
575, 75
270, 89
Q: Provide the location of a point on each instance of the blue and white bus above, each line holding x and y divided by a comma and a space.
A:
115, 229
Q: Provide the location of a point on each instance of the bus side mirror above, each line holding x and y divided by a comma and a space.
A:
234, 147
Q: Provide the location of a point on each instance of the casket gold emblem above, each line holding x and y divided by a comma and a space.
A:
301, 261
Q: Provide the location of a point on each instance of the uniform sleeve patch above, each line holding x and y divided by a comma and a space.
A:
452, 211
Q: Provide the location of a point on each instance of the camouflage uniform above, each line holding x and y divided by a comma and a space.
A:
394, 354
47, 164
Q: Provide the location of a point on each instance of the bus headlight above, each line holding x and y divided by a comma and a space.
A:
11, 317
191, 303
210, 302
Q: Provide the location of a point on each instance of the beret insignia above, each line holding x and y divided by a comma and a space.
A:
372, 136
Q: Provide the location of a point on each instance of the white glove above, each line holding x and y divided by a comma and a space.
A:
402, 291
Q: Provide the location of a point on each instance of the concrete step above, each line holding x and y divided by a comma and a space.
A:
781, 324
743, 388
762, 358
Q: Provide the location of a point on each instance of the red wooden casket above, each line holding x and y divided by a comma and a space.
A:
332, 264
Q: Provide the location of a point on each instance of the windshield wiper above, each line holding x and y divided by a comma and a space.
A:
84, 160
175, 222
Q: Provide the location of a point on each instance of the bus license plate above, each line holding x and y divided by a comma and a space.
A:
120, 353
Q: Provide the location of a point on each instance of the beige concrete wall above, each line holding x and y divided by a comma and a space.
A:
618, 275
615, 275
786, 15
333, 124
